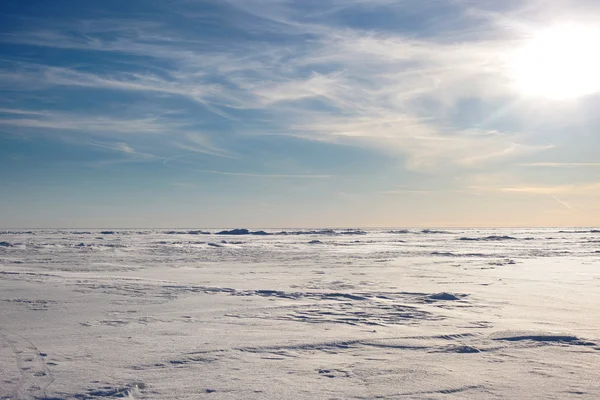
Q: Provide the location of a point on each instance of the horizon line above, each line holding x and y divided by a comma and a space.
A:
325, 227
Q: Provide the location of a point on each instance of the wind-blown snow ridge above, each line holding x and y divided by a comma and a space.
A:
490, 238
546, 337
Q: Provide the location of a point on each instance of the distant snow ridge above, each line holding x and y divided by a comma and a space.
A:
400, 231
299, 232
311, 232
242, 232
330, 232
590, 231
197, 232
352, 232
489, 238
432, 231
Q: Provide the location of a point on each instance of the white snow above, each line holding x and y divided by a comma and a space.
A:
300, 314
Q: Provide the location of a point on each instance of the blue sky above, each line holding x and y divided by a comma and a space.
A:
282, 113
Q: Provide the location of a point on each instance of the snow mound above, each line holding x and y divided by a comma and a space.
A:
461, 349
243, 232
446, 296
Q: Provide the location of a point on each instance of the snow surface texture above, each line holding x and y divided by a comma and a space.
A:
312, 314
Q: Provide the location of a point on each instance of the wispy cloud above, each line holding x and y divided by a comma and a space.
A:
552, 190
172, 133
126, 149
374, 88
284, 176
83, 123
411, 95
562, 202
197, 143
561, 164
184, 185
346, 96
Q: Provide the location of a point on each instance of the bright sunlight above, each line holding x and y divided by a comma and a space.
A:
559, 63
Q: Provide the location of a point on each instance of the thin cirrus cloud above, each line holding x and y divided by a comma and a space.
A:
254, 88
343, 85
135, 128
567, 189
561, 164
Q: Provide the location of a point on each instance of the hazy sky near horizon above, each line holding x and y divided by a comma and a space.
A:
299, 113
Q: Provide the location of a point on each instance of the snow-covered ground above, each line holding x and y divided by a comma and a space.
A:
158, 314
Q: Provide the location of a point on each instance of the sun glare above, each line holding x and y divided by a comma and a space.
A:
560, 63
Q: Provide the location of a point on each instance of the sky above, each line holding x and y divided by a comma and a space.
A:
299, 113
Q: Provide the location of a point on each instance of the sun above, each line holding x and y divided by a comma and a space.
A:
559, 63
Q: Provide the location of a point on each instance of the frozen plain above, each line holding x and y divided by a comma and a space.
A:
343, 314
